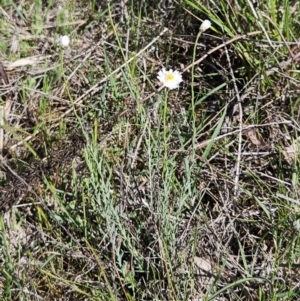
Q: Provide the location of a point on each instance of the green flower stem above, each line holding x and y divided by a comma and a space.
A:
165, 124
193, 92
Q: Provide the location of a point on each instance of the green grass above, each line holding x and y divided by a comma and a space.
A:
112, 188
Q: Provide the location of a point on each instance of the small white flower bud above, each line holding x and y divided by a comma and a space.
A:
205, 25
64, 41
296, 225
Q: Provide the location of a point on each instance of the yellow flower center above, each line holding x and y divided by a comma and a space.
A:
169, 77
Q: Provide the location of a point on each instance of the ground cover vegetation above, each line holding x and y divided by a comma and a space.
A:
113, 187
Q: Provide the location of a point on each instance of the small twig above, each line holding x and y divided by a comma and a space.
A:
237, 171
127, 43
273, 178
4, 109
252, 154
288, 198
1, 128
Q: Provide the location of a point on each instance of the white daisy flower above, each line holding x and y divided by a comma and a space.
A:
64, 41
170, 79
205, 25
